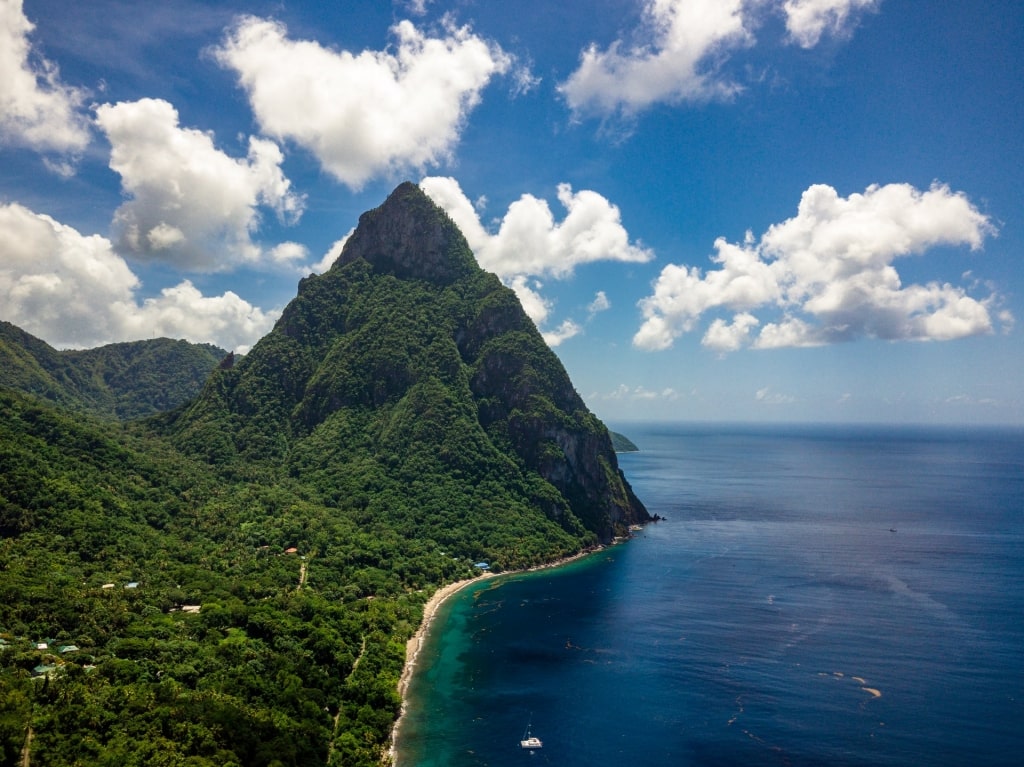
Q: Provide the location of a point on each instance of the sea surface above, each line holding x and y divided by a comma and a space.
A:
815, 596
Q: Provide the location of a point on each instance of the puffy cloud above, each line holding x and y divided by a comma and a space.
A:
534, 304
682, 295
190, 204
834, 260
73, 290
368, 113
685, 39
568, 329
57, 283
529, 243
538, 308
288, 253
446, 192
683, 45
830, 270
808, 20
657, 334
729, 337
183, 311
36, 109
790, 332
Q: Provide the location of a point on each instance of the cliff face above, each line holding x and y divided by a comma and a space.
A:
406, 353
410, 237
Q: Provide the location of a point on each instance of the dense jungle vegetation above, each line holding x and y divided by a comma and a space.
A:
155, 609
123, 380
233, 580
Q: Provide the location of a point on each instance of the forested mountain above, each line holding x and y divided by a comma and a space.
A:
407, 361
233, 582
124, 380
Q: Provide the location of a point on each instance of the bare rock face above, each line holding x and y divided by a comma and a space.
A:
406, 330
410, 237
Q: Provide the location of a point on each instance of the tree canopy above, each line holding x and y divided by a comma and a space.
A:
233, 580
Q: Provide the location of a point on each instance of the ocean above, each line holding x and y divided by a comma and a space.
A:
840, 595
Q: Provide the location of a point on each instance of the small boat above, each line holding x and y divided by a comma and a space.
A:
530, 741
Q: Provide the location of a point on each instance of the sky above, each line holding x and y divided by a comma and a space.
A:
714, 210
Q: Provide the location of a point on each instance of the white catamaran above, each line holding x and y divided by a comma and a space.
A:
530, 741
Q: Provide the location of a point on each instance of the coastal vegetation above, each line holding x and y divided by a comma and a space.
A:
232, 580
623, 444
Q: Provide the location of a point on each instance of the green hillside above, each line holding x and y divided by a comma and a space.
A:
124, 380
263, 673
233, 582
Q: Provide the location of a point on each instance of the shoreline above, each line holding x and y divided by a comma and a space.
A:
439, 597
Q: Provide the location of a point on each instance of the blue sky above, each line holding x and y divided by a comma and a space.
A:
760, 210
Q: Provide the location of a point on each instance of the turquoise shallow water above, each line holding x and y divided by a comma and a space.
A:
773, 619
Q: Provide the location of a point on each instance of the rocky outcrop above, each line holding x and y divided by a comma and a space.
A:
410, 237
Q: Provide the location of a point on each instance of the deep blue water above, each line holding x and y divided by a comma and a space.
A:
774, 618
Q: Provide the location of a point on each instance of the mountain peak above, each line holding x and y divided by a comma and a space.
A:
411, 237
409, 375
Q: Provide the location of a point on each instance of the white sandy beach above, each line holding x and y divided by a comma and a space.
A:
412, 647
415, 644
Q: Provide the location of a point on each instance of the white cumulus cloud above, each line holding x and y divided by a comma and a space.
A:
529, 243
684, 40
288, 253
368, 113
808, 20
681, 51
538, 309
534, 304
830, 271
331, 255
730, 336
568, 329
182, 311
36, 109
73, 290
189, 203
